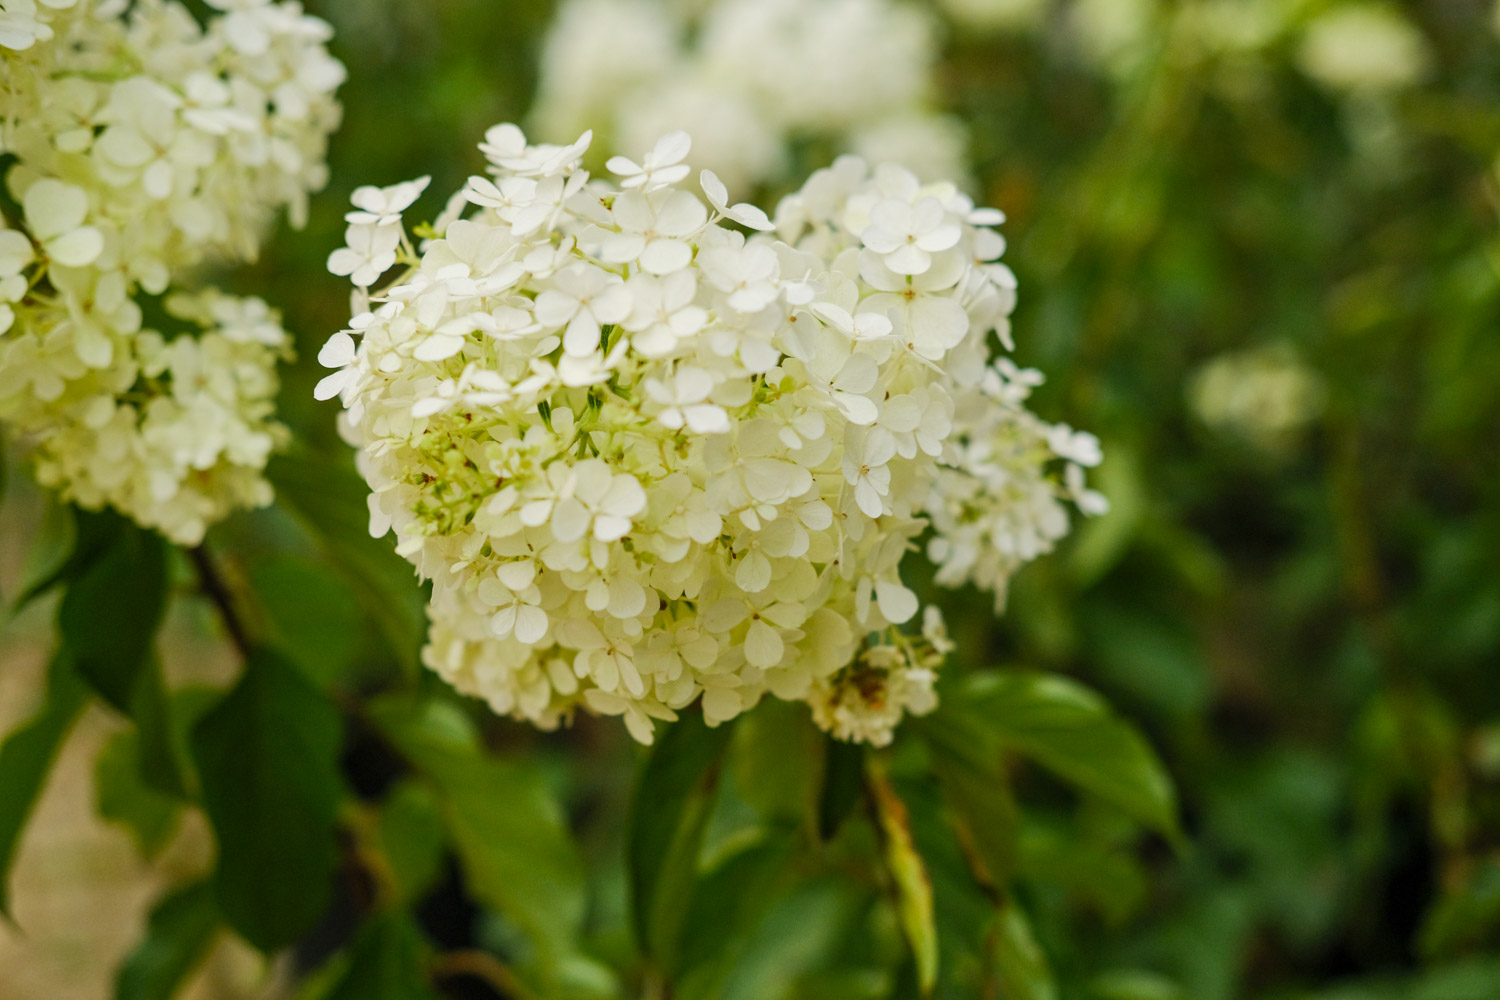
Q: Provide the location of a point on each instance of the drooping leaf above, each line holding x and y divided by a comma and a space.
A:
114, 605
178, 933
386, 962
510, 834
26, 757
668, 815
1020, 964
329, 499
267, 756
122, 796
908, 873
1073, 732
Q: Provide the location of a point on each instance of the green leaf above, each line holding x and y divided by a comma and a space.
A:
518, 854
178, 933
668, 816
1073, 732
330, 500
312, 615
26, 757
1020, 964
48, 552
267, 756
114, 605
909, 874
163, 753
121, 796
967, 763
410, 828
386, 962
728, 902
843, 781
775, 757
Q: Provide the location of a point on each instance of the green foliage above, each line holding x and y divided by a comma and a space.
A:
503, 822
117, 593
123, 796
668, 817
330, 500
180, 929
1277, 651
386, 962
267, 755
26, 756
1072, 731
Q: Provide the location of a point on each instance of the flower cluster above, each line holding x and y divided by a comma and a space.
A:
652, 446
750, 79
144, 145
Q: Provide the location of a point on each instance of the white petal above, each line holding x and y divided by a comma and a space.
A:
753, 573
763, 645
897, 604
78, 248
531, 624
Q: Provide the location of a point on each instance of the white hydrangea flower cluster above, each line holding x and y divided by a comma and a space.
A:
749, 79
647, 458
143, 145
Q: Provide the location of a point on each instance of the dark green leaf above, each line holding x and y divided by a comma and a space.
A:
1070, 730
517, 852
113, 606
267, 756
121, 796
728, 902
331, 502
164, 761
843, 781
668, 815
412, 839
178, 933
386, 962
967, 763
312, 614
775, 758
27, 755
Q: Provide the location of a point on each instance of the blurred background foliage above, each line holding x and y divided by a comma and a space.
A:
1268, 281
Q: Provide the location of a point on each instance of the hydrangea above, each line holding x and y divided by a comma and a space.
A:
1364, 48
653, 447
144, 144
751, 80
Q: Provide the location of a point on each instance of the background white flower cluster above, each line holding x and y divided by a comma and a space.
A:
749, 80
144, 145
645, 457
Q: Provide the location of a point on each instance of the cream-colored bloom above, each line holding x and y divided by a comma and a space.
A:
647, 458
1364, 48
143, 144
750, 80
